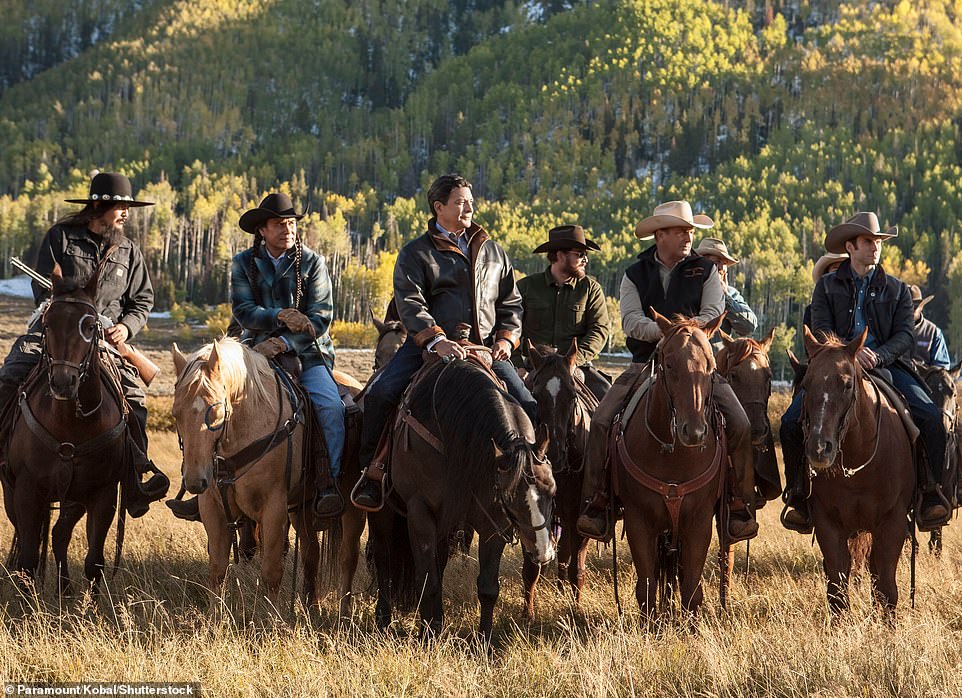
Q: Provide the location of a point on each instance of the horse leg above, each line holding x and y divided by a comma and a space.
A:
564, 556
380, 534
30, 511
530, 571
218, 541
643, 543
935, 542
428, 572
693, 553
247, 539
273, 527
352, 526
883, 561
836, 561
489, 583
576, 572
70, 514
100, 514
302, 521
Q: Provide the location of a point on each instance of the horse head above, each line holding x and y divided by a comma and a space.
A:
744, 364
832, 384
552, 384
526, 489
391, 334
684, 363
941, 383
71, 334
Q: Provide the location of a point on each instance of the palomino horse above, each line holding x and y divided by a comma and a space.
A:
565, 406
69, 439
863, 477
463, 450
668, 462
243, 464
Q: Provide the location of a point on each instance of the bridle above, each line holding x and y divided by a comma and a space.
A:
93, 343
726, 373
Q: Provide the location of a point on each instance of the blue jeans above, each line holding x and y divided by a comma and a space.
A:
320, 385
927, 417
385, 393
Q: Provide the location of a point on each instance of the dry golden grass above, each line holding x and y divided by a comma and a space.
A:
156, 621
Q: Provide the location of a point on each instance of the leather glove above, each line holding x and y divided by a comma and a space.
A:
297, 322
271, 347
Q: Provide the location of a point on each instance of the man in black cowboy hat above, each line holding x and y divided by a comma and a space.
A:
80, 243
929, 348
452, 277
564, 303
282, 299
860, 295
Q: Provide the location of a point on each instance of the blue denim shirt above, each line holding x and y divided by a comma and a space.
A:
861, 287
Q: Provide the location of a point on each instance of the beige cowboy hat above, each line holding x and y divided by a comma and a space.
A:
917, 300
862, 223
669, 215
824, 262
716, 247
566, 237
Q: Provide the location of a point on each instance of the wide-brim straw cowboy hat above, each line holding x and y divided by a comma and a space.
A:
566, 237
669, 215
273, 206
917, 300
112, 188
824, 262
862, 223
716, 247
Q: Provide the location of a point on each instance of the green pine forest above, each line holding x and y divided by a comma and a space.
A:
779, 118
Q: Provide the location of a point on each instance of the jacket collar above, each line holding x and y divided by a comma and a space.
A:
268, 272
844, 271
549, 279
476, 237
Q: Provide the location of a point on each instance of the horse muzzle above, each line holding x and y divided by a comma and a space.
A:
820, 453
692, 434
196, 485
64, 385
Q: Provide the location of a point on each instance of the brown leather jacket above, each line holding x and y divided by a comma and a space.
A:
436, 288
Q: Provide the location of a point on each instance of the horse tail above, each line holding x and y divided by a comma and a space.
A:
859, 547
389, 544
330, 547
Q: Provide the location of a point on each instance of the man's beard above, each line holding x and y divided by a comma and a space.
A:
578, 272
111, 234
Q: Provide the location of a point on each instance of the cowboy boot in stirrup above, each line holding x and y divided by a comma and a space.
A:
140, 495
796, 516
368, 493
186, 509
934, 510
328, 502
741, 521
595, 521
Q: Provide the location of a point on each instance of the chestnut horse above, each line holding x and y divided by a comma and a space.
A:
863, 474
669, 464
565, 406
242, 439
68, 442
463, 449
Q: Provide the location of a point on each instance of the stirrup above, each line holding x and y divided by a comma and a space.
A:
791, 525
333, 512
364, 480
931, 524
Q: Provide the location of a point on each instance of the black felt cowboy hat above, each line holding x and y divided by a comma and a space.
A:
862, 223
273, 206
112, 188
566, 237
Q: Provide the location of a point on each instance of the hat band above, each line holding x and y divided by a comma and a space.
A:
110, 197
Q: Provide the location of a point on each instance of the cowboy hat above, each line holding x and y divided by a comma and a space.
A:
862, 223
110, 187
717, 248
917, 300
566, 237
824, 262
273, 206
669, 215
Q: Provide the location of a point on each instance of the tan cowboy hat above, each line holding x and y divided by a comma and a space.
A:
862, 223
716, 247
824, 262
669, 215
273, 206
566, 237
917, 300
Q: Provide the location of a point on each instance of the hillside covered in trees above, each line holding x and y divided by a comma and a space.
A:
777, 118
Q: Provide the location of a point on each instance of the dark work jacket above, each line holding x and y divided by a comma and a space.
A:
888, 310
436, 288
124, 292
685, 287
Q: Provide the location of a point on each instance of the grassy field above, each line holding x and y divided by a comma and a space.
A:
156, 621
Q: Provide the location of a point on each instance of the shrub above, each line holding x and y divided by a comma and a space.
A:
353, 334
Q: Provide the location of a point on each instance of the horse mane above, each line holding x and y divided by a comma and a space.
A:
472, 412
239, 367
735, 353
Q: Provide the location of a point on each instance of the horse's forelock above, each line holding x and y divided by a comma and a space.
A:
235, 365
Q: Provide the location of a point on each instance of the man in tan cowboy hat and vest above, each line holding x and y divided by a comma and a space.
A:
671, 279
929, 348
740, 320
81, 243
860, 295
564, 303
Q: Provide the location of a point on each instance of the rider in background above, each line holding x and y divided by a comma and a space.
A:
740, 320
929, 348
81, 243
564, 303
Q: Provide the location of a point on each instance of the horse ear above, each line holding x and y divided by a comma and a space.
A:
766, 343
572, 354
812, 345
955, 370
726, 338
793, 360
497, 449
56, 276
213, 361
179, 359
856, 344
664, 323
541, 439
712, 327
536, 358
377, 323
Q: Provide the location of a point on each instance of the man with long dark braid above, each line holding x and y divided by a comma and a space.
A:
281, 297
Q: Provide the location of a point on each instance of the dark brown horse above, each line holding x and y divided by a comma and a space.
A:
463, 450
668, 465
863, 478
565, 406
68, 443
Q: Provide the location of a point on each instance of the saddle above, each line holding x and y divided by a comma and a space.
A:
898, 403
